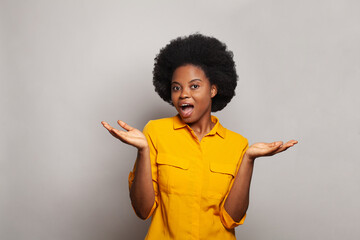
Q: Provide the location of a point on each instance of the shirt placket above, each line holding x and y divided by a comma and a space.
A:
197, 169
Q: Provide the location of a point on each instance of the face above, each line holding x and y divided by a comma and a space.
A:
191, 93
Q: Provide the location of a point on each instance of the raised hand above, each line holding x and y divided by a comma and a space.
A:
131, 136
268, 149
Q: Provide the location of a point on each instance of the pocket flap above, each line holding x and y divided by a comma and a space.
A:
227, 168
172, 160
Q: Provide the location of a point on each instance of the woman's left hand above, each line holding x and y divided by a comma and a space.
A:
267, 149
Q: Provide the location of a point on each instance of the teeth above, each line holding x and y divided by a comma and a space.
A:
185, 105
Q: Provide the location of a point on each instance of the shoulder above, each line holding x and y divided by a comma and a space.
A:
159, 125
235, 135
235, 138
226, 134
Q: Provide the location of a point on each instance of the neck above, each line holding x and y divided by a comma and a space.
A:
203, 126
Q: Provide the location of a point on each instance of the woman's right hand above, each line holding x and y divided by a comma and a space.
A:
131, 136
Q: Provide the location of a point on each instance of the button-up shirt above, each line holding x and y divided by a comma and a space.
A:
191, 179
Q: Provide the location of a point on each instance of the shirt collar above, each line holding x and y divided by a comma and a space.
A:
218, 128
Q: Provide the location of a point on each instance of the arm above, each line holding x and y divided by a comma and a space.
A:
237, 201
142, 192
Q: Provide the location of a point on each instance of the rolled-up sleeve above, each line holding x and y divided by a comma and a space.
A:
150, 137
226, 219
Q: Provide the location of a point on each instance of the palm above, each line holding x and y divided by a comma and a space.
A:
131, 136
268, 149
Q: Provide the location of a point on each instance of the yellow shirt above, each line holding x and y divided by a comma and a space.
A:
191, 179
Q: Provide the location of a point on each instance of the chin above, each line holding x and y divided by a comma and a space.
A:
186, 120
189, 120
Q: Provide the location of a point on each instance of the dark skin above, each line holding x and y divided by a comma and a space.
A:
190, 85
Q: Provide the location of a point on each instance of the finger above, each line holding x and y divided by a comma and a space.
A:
125, 125
119, 134
291, 143
286, 146
112, 130
106, 125
273, 148
113, 134
276, 144
116, 131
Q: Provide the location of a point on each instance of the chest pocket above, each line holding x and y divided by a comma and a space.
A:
173, 173
220, 177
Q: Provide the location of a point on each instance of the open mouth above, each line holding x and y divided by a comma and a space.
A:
186, 109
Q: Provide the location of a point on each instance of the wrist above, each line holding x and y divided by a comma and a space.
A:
248, 158
144, 149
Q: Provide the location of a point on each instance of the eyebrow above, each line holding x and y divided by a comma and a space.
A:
196, 79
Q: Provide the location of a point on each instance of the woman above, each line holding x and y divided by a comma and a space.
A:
191, 174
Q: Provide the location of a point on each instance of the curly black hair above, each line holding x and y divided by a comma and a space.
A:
206, 52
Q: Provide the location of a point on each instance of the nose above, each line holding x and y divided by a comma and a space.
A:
184, 93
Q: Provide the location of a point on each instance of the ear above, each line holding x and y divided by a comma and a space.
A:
213, 90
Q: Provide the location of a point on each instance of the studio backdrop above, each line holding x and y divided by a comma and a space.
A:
65, 66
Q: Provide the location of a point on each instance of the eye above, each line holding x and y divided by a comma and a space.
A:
175, 88
195, 86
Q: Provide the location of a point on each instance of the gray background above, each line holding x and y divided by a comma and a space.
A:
68, 65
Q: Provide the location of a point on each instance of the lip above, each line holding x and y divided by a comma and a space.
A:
186, 114
181, 103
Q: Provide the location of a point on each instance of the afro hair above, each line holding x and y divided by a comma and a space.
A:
208, 53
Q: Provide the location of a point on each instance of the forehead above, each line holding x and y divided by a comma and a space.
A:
188, 73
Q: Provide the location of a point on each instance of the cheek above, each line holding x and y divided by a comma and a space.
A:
204, 98
173, 98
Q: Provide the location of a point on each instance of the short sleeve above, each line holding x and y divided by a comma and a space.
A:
150, 137
226, 219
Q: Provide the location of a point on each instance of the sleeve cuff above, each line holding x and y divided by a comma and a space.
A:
131, 179
227, 220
